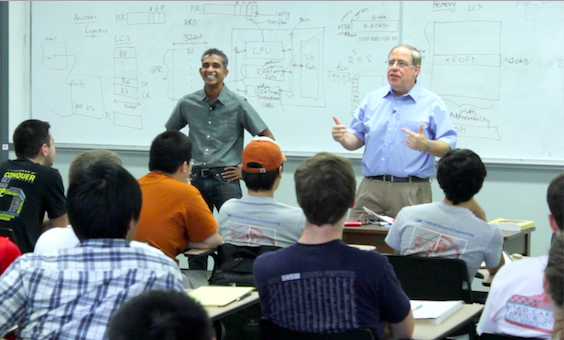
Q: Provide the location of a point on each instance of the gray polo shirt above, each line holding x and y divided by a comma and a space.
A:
216, 129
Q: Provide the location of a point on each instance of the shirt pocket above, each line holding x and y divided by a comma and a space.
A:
227, 128
413, 125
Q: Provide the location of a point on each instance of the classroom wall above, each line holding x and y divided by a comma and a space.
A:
507, 192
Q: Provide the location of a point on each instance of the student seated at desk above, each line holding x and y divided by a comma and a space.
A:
76, 291
320, 284
456, 227
174, 214
62, 238
517, 303
554, 284
257, 219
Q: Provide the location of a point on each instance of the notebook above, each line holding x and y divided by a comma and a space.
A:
219, 296
434, 312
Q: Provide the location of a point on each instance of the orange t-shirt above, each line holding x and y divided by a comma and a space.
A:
173, 214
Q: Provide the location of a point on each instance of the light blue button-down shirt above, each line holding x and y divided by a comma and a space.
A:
378, 122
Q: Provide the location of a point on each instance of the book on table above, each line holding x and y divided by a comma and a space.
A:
219, 296
434, 312
512, 224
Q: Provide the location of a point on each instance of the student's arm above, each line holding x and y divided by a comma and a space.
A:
211, 242
348, 140
59, 222
493, 271
403, 329
477, 210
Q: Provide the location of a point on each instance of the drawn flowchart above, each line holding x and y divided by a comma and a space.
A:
122, 68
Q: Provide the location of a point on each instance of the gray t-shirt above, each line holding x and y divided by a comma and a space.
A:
441, 230
216, 129
257, 221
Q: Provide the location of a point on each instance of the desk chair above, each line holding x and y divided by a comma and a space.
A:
432, 278
487, 336
436, 279
271, 331
9, 233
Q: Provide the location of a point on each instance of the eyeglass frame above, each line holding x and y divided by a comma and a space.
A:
401, 64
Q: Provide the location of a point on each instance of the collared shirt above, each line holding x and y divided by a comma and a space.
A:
378, 122
72, 293
216, 128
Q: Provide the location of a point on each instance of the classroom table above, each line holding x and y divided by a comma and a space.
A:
217, 313
456, 321
514, 242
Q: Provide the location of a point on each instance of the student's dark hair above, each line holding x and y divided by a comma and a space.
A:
160, 314
168, 151
260, 181
325, 188
29, 136
461, 174
220, 53
555, 199
555, 271
85, 159
102, 199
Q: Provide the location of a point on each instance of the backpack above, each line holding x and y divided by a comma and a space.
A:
236, 264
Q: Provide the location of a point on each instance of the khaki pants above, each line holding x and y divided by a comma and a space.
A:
387, 198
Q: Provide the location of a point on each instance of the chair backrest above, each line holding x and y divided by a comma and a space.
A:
487, 336
271, 331
9, 233
432, 278
235, 264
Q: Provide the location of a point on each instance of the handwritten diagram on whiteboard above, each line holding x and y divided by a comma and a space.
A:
111, 73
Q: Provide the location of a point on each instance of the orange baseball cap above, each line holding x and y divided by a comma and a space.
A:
261, 155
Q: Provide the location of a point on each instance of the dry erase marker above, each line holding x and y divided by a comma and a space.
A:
353, 224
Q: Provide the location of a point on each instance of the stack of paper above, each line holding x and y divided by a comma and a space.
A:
512, 225
434, 312
219, 296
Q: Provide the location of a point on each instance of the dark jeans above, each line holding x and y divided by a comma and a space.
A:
215, 191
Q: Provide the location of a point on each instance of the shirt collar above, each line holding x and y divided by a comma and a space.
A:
104, 242
413, 93
222, 98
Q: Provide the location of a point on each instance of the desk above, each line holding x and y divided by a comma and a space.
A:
514, 242
216, 313
456, 321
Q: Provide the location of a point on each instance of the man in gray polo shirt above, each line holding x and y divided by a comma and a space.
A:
217, 119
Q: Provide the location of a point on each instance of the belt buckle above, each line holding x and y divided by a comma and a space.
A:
205, 173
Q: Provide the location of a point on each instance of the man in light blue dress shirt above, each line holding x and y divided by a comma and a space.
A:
403, 127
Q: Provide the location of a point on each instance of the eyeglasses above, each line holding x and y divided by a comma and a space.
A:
401, 63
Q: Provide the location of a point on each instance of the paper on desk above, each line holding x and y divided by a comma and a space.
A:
219, 296
383, 218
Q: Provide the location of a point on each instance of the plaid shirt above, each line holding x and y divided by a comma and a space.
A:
72, 293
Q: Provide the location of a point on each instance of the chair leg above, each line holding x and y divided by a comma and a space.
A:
219, 330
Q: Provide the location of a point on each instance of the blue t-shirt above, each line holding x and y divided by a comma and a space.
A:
329, 287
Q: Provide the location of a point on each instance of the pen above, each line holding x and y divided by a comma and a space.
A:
417, 307
243, 296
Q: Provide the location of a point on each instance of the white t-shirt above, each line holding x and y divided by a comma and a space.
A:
441, 230
62, 238
517, 304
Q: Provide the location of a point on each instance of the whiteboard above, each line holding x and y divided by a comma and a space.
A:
108, 74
